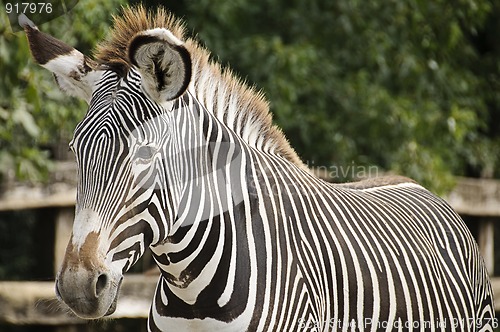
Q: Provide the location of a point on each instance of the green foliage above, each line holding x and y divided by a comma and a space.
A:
36, 117
411, 86
398, 84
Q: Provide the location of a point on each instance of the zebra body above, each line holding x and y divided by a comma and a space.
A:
176, 155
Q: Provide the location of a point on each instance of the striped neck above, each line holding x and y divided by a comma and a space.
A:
212, 163
209, 161
241, 108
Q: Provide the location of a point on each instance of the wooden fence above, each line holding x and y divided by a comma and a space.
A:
28, 302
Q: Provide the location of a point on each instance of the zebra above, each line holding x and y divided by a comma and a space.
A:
177, 155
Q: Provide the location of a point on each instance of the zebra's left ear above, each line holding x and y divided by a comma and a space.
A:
74, 72
163, 61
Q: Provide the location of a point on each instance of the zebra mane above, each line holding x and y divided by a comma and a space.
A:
240, 107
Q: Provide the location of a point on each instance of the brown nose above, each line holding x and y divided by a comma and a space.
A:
84, 283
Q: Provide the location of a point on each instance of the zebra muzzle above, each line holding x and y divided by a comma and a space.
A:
88, 294
112, 308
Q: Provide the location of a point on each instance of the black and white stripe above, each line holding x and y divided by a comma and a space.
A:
246, 240
177, 156
258, 243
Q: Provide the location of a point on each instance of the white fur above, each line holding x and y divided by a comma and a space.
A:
23, 21
86, 222
65, 64
391, 186
163, 34
71, 77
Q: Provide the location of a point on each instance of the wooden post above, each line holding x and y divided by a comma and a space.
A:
486, 241
64, 227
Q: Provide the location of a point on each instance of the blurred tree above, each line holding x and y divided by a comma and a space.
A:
410, 86
37, 119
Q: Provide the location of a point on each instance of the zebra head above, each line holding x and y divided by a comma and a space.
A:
120, 148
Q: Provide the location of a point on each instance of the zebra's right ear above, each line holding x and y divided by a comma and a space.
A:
74, 72
163, 61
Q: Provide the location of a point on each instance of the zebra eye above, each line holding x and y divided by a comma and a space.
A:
145, 152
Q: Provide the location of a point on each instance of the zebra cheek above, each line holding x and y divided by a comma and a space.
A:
130, 243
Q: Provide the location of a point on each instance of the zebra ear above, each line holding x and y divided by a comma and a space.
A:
163, 61
74, 72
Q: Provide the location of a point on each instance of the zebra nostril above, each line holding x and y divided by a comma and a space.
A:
101, 283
